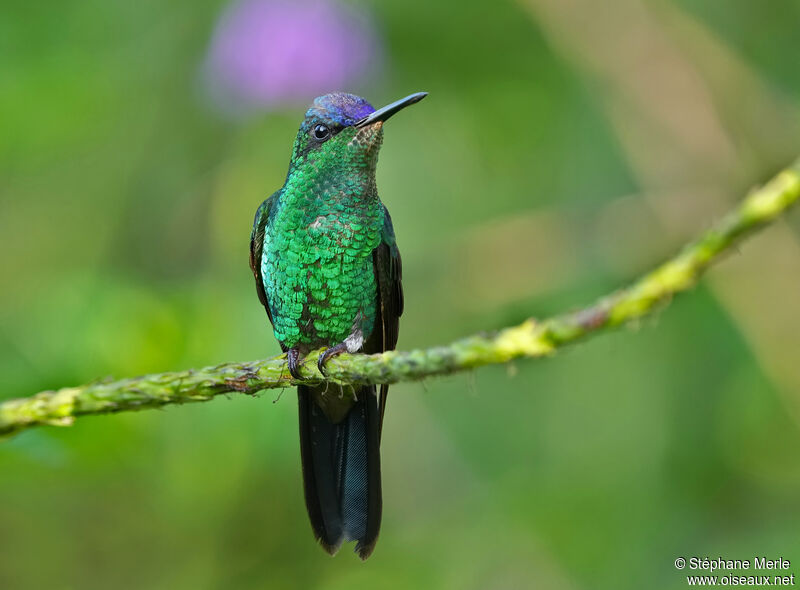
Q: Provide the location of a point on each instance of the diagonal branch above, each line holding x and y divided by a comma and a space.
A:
530, 339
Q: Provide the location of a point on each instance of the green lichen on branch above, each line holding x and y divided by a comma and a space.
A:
530, 339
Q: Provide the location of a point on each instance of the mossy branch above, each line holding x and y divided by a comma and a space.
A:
531, 339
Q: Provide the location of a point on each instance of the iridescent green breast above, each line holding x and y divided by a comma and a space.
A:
317, 265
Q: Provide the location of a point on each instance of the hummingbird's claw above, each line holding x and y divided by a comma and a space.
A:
329, 353
293, 360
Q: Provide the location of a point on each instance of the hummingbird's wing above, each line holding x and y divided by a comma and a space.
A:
389, 272
257, 248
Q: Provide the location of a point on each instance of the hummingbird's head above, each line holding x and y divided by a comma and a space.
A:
343, 132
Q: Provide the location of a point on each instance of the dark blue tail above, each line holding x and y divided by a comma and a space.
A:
341, 470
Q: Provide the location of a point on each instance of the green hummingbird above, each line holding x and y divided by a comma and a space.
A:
328, 272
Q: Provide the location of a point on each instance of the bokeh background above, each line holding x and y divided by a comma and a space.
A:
565, 147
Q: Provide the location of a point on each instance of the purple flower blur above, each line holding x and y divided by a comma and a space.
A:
266, 53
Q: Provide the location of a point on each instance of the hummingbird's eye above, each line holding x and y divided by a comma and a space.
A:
321, 132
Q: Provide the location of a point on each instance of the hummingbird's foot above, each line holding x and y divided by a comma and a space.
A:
329, 353
293, 360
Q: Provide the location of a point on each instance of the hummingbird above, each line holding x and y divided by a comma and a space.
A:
328, 272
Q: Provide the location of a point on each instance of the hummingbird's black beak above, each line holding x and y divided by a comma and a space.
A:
390, 109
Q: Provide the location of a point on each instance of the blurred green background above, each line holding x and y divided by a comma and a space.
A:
565, 147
